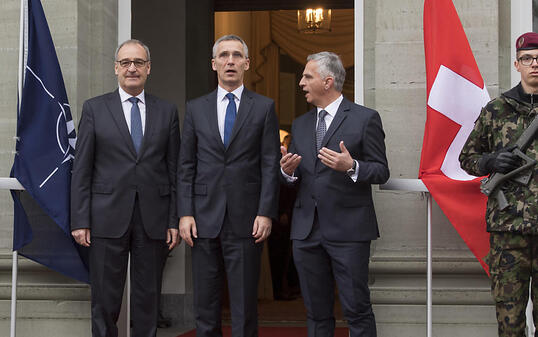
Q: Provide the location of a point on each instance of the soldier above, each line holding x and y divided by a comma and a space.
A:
513, 256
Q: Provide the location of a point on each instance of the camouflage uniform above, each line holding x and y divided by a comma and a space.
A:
513, 255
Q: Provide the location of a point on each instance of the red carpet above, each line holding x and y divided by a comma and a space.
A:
275, 332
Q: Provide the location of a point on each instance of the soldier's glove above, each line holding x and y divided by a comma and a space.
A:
502, 161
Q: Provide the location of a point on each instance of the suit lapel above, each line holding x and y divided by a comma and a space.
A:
311, 122
213, 118
341, 114
113, 103
244, 108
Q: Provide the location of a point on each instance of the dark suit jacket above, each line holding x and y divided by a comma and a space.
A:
345, 208
107, 172
241, 180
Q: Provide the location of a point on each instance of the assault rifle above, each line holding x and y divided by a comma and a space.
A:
492, 184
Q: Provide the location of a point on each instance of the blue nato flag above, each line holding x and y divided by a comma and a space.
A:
44, 154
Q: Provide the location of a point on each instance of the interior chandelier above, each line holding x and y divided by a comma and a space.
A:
314, 20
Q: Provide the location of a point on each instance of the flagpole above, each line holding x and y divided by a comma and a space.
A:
15, 256
14, 270
429, 289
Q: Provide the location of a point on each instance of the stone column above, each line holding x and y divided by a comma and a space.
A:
395, 56
85, 37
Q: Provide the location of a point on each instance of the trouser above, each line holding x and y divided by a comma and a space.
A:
239, 259
513, 260
108, 269
320, 263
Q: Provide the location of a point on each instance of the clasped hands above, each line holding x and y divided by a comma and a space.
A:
339, 161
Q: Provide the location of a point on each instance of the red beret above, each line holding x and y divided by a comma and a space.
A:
527, 41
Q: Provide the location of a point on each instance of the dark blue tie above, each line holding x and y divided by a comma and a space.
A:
229, 120
136, 124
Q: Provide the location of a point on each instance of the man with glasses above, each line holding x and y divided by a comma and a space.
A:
513, 256
123, 193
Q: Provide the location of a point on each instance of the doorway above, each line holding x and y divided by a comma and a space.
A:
277, 52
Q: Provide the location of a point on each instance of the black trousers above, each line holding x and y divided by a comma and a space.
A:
238, 259
108, 270
320, 263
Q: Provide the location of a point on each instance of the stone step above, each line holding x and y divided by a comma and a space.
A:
36, 282
47, 318
448, 320
49, 304
415, 262
446, 289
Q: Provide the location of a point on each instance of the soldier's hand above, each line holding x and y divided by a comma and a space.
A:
502, 161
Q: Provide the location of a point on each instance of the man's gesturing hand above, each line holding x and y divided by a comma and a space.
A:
337, 161
289, 161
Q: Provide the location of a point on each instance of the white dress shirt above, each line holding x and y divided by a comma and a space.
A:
222, 104
331, 109
126, 105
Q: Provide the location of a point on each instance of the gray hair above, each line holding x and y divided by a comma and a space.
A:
230, 37
330, 65
132, 41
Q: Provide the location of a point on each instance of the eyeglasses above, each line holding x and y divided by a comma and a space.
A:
138, 63
527, 60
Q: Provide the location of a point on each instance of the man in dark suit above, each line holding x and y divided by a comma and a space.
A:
228, 190
337, 152
123, 193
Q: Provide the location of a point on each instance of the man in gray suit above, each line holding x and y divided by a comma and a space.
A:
123, 193
336, 154
228, 190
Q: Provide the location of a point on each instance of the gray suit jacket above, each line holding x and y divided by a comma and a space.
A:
241, 180
108, 173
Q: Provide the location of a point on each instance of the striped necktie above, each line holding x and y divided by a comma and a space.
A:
321, 129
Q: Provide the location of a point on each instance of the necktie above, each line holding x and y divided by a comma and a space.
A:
229, 120
136, 124
321, 129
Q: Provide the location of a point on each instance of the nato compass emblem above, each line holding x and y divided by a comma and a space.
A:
65, 127
66, 145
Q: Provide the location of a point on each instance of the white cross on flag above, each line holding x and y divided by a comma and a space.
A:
456, 94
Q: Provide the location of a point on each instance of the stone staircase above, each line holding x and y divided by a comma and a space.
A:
462, 303
48, 303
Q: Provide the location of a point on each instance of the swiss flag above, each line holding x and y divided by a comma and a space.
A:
456, 94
